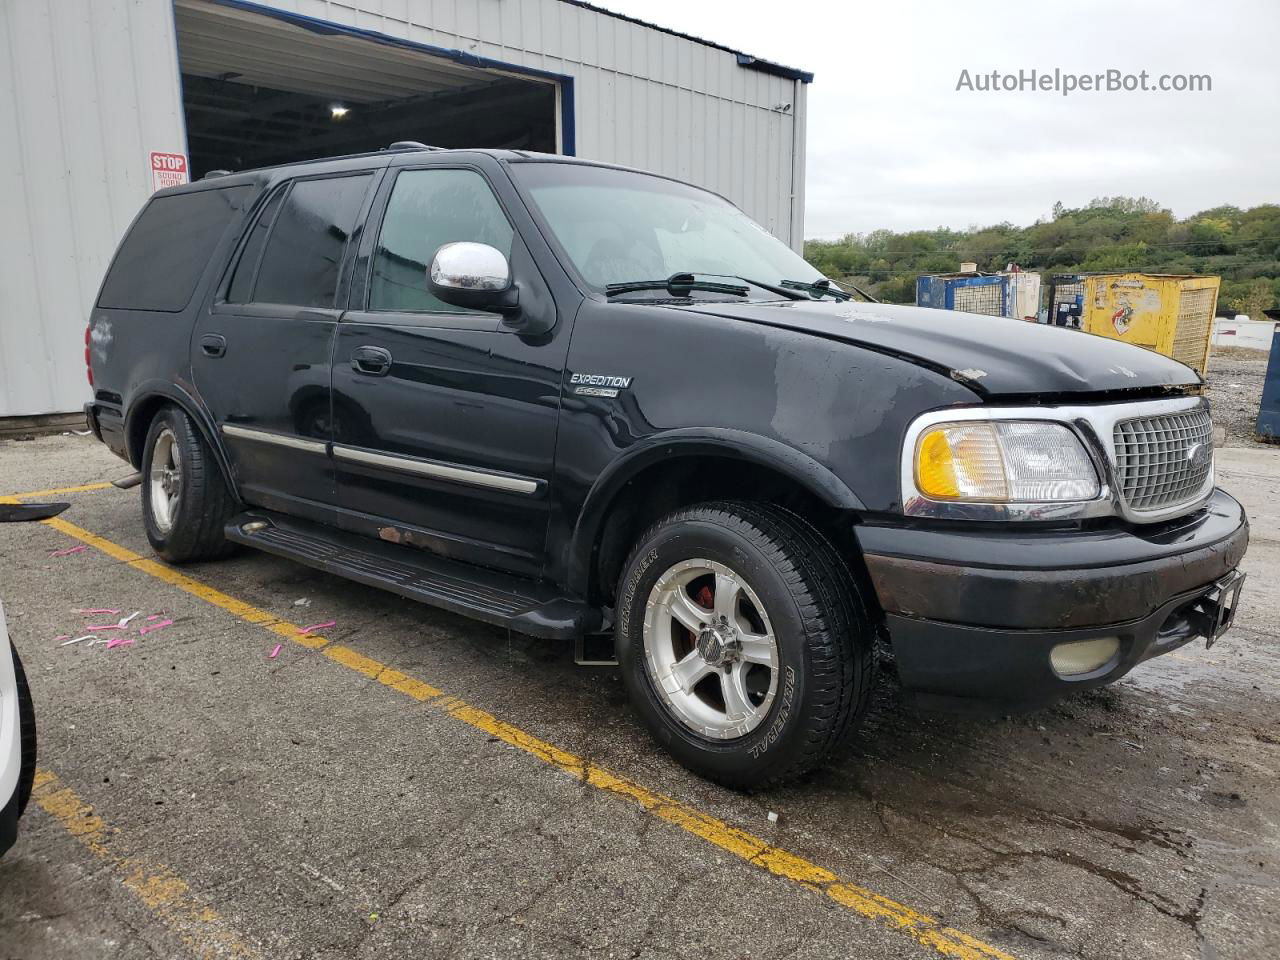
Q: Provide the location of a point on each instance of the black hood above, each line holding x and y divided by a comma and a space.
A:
994, 356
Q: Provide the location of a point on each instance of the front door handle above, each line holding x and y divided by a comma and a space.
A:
371, 361
213, 345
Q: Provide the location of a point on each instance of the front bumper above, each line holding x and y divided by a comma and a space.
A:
973, 613
9, 823
10, 742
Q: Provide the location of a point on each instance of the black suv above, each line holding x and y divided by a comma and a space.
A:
581, 401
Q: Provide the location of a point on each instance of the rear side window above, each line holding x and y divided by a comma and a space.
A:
161, 260
307, 241
246, 270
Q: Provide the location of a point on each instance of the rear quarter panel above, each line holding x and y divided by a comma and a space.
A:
137, 354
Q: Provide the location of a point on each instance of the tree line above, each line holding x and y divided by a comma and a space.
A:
1109, 235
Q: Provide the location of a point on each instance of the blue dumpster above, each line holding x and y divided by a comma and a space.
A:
1269, 412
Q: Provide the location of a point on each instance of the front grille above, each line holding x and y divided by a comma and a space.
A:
1161, 461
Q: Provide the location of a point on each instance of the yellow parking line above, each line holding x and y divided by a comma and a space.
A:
923, 929
162, 891
57, 491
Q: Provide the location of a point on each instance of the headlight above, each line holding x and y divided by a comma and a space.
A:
993, 461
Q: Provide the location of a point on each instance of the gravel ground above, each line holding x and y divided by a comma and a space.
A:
1235, 387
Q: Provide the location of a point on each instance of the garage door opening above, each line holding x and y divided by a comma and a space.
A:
258, 90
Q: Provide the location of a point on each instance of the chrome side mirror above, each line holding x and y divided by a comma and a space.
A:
474, 276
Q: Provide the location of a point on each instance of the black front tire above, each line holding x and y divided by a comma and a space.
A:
194, 528
823, 627
26, 734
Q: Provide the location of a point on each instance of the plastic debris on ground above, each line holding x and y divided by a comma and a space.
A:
69, 551
153, 622
318, 626
93, 639
275, 652
124, 622
302, 602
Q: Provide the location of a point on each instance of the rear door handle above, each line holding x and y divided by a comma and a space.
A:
213, 345
371, 361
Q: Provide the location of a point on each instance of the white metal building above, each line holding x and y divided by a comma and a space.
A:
103, 101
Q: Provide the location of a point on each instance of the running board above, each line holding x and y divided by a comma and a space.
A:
525, 606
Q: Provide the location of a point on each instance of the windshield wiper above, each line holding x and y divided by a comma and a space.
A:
678, 285
818, 288
825, 287
780, 290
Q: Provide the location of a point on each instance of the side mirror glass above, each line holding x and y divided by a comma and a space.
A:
474, 276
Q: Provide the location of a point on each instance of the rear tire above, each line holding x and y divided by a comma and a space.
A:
743, 573
185, 501
26, 734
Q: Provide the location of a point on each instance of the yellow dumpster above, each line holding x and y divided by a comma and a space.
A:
1172, 315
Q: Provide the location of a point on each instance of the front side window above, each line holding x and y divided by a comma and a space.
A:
307, 242
618, 226
427, 209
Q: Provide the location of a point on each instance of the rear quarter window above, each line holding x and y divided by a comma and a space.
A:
162, 258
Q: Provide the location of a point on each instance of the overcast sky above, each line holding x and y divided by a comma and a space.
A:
893, 144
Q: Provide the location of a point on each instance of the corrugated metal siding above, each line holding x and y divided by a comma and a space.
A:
643, 98
87, 89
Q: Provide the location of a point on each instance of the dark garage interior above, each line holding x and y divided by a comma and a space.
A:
258, 90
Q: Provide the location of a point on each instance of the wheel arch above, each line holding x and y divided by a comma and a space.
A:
682, 449
144, 405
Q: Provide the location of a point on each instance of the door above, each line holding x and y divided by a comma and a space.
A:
444, 419
261, 353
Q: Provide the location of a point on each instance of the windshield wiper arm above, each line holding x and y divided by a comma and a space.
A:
780, 290
818, 288
678, 285
826, 287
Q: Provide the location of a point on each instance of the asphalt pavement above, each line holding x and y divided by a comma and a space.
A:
409, 783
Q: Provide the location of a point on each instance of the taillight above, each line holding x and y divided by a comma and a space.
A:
88, 356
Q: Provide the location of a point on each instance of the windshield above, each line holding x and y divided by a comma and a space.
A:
620, 227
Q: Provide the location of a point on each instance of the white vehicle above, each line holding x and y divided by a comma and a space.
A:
17, 713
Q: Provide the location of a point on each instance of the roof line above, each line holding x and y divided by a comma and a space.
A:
744, 59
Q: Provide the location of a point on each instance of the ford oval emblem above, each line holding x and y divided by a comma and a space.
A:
1199, 454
